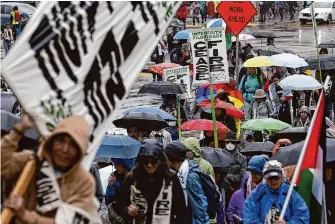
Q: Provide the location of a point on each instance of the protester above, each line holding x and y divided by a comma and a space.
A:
15, 18
133, 132
99, 193
203, 11
280, 100
323, 51
62, 151
247, 51
193, 153
7, 38
265, 203
303, 119
182, 13
196, 12
270, 41
188, 173
163, 136
208, 139
249, 182
282, 71
224, 118
170, 105
260, 107
249, 84
151, 192
329, 187
235, 171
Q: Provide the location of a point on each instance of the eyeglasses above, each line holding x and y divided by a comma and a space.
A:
147, 160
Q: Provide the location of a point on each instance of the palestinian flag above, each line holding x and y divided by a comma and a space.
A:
310, 181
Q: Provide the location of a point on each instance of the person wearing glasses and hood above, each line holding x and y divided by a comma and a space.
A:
151, 193
265, 203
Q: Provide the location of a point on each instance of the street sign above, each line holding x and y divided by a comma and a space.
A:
236, 14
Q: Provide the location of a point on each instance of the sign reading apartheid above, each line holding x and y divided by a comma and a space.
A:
209, 56
81, 58
180, 75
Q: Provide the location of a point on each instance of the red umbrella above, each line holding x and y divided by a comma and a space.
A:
230, 109
224, 87
201, 125
160, 68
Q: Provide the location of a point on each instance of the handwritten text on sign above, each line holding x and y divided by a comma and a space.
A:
180, 75
209, 56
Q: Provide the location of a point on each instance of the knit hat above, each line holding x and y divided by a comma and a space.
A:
304, 109
256, 164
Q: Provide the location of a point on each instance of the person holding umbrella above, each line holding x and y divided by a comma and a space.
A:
250, 181
280, 99
264, 204
151, 192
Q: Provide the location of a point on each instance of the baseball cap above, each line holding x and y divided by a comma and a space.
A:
273, 168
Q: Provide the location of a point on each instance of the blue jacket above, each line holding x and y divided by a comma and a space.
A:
196, 198
260, 201
250, 86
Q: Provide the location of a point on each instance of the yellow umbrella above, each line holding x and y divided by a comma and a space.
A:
260, 61
237, 103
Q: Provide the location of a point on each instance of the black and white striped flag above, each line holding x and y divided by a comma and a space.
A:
82, 58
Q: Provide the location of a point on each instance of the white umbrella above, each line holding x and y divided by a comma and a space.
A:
300, 82
288, 60
104, 174
243, 37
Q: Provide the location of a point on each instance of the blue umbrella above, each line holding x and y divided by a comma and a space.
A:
215, 23
118, 146
182, 35
153, 110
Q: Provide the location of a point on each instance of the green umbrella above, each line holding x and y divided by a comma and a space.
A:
268, 125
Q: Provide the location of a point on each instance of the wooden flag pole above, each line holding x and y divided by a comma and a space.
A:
20, 188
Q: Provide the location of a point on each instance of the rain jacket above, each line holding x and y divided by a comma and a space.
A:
260, 201
237, 201
77, 186
193, 145
299, 123
196, 198
237, 170
260, 110
251, 84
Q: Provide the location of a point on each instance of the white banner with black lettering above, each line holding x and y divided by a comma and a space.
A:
81, 58
67, 214
180, 75
209, 56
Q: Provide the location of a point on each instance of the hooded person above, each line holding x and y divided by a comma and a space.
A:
72, 187
193, 153
303, 120
265, 203
235, 171
188, 173
249, 182
151, 192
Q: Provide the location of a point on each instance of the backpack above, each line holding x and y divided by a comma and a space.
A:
212, 194
17, 15
245, 79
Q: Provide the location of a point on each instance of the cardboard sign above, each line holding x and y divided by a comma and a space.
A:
236, 14
180, 75
209, 56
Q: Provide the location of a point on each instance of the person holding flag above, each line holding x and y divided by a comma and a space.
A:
265, 203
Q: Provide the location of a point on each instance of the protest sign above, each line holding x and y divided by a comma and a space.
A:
81, 58
179, 75
209, 56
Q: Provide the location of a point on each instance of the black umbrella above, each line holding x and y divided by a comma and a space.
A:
262, 34
329, 44
327, 62
217, 157
271, 50
143, 121
290, 155
295, 134
162, 88
177, 23
258, 148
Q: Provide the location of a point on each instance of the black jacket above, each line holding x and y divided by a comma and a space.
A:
236, 171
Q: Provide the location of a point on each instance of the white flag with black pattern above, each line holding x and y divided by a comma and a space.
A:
82, 58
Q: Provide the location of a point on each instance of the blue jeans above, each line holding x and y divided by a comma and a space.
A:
7, 45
